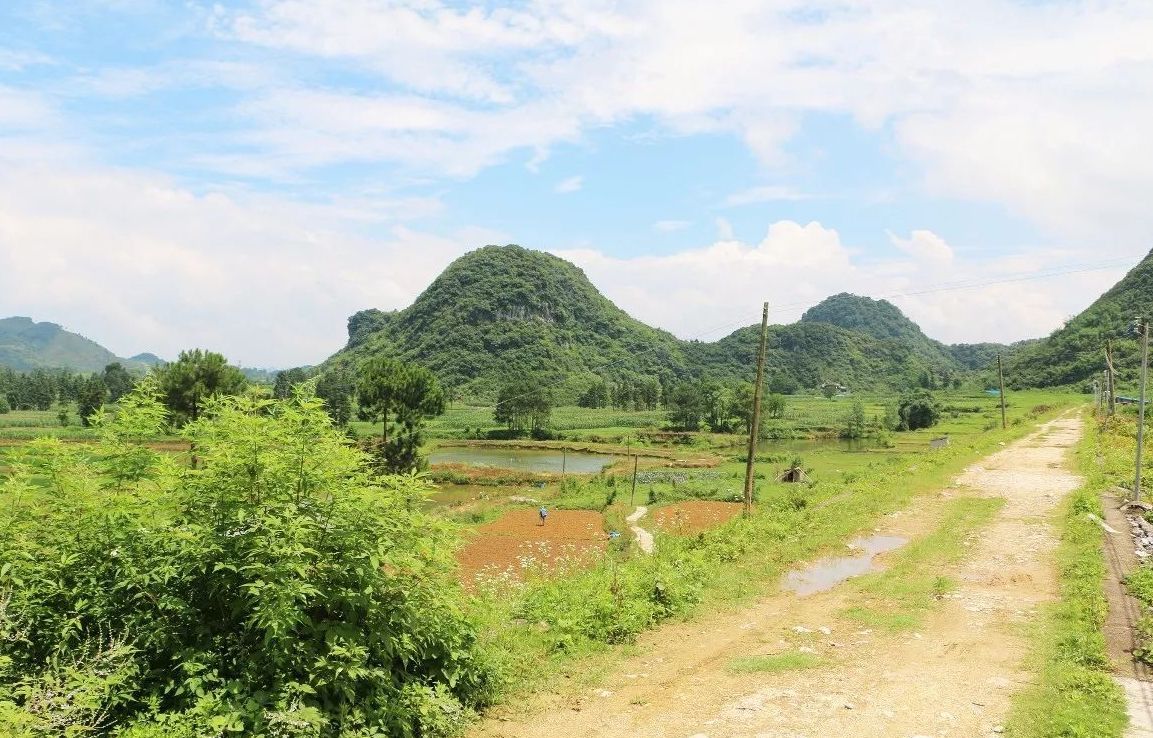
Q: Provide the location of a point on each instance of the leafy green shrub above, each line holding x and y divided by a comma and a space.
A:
279, 589
918, 410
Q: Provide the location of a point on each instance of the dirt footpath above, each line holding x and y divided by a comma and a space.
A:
953, 678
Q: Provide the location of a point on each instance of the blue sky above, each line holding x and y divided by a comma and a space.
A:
242, 176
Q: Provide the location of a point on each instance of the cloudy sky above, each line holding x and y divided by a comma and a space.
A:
242, 176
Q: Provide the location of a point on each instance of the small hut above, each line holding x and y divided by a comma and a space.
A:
794, 474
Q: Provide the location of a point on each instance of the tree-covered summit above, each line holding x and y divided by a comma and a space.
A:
882, 320
503, 310
878, 318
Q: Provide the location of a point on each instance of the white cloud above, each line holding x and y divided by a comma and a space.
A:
766, 193
706, 293
14, 61
569, 184
20, 110
924, 246
139, 264
670, 226
1039, 107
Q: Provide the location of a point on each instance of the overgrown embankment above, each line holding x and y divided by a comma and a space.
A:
1075, 694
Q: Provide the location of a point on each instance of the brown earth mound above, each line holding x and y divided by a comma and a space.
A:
693, 516
517, 544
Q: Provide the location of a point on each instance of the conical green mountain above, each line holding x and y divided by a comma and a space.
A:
1074, 354
504, 310
882, 320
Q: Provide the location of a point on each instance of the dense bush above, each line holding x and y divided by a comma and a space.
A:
277, 590
918, 410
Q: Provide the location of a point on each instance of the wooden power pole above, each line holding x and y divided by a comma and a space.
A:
633, 496
1110, 377
755, 422
1001, 379
1143, 326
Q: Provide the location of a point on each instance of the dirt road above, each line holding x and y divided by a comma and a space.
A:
952, 677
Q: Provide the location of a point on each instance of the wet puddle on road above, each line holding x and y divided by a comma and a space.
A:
828, 573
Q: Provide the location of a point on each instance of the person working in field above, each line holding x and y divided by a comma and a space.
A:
543, 514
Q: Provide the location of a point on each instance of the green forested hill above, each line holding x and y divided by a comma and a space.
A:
883, 321
807, 354
27, 345
504, 310
1073, 354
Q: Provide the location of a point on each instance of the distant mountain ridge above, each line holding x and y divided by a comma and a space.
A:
26, 345
500, 310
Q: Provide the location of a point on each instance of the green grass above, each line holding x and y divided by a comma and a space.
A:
1074, 695
777, 662
806, 416
29, 424
898, 598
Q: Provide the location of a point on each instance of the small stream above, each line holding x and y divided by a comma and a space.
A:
827, 573
522, 459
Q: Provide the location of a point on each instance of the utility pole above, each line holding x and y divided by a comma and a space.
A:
1111, 378
1143, 326
1104, 391
755, 424
633, 496
1001, 379
563, 463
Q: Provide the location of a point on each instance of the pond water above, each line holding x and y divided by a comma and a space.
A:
827, 573
522, 459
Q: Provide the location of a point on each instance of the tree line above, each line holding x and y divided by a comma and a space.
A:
41, 389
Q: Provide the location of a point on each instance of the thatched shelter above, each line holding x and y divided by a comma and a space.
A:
793, 474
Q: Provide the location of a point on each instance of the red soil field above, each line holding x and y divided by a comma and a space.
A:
692, 516
516, 544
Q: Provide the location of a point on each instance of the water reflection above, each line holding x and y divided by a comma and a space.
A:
521, 459
827, 573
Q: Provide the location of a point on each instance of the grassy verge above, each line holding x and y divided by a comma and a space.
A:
1075, 694
899, 597
777, 662
548, 629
